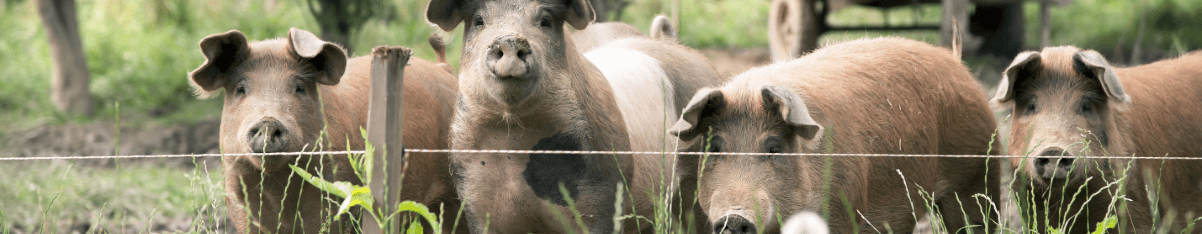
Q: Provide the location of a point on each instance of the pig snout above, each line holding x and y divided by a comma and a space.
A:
267, 136
734, 224
508, 57
1053, 162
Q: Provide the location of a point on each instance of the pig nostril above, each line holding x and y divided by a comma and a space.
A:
1041, 161
1066, 161
497, 53
277, 133
523, 53
734, 224
267, 136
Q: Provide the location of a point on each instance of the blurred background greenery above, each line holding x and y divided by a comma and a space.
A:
140, 51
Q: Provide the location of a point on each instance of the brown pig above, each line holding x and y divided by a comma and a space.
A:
1068, 103
601, 33
278, 94
598, 34
869, 96
525, 86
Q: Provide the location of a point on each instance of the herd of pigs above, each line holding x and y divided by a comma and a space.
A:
539, 75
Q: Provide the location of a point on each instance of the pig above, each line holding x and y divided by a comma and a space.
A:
867, 96
601, 33
1069, 102
272, 104
524, 86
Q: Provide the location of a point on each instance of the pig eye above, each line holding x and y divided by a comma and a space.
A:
774, 150
715, 145
773, 145
479, 21
545, 22
1030, 107
1086, 106
300, 88
240, 90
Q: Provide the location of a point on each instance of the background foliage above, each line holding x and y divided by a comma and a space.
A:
140, 51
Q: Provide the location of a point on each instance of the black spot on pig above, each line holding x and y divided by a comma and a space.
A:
545, 172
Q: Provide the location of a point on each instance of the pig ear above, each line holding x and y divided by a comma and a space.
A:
222, 51
706, 101
328, 58
580, 13
447, 14
792, 109
1023, 63
1092, 64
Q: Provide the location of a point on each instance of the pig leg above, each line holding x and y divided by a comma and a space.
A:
961, 209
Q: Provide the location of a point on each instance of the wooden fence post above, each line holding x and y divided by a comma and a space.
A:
384, 128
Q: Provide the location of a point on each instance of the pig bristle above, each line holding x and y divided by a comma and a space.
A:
199, 92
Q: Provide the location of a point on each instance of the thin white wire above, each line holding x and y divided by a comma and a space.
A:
459, 151
176, 155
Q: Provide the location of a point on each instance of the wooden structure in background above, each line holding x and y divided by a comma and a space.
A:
795, 25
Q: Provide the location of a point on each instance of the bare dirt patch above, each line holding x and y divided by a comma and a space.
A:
101, 139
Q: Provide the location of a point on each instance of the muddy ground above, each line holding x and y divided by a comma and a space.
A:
101, 139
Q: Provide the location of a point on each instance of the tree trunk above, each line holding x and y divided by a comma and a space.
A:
335, 22
69, 81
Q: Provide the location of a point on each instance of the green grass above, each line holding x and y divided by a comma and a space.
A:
57, 196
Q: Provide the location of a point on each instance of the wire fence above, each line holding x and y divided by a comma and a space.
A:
460, 151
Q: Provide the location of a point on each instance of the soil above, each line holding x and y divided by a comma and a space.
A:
101, 139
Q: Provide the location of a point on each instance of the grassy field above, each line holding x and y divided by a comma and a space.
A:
59, 197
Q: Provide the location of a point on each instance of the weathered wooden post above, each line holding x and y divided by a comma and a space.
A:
384, 128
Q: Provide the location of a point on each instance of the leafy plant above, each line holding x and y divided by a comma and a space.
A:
357, 195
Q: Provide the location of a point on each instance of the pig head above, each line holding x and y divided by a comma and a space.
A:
275, 91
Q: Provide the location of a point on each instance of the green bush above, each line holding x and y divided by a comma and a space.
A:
139, 52
1111, 27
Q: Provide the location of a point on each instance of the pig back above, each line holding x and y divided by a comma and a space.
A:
687, 69
427, 105
427, 108
890, 96
876, 93
1165, 119
1166, 106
